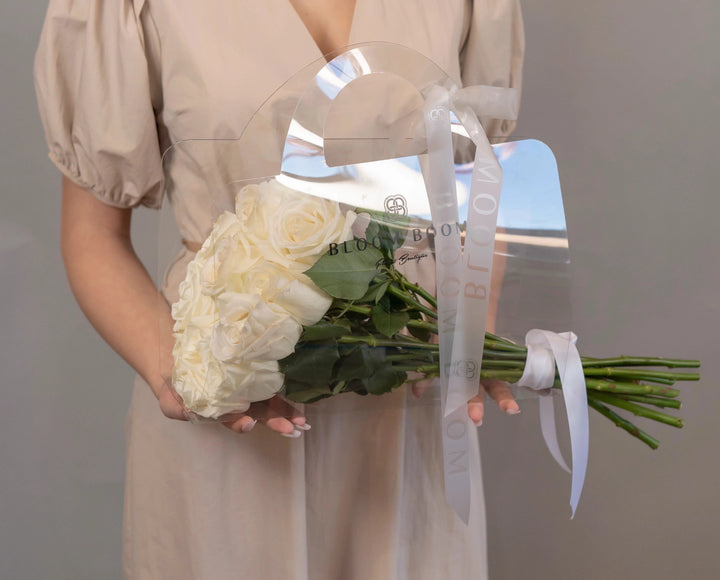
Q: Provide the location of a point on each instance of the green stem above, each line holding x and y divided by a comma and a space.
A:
656, 401
404, 357
630, 388
505, 346
387, 342
496, 338
420, 291
511, 376
518, 357
637, 410
633, 361
624, 424
410, 301
349, 306
641, 375
424, 325
510, 364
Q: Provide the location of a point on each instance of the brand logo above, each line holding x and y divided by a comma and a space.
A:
466, 369
399, 238
396, 205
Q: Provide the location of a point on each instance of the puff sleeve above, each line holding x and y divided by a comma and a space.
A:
93, 89
493, 52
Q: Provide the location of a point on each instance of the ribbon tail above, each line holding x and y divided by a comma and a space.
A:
575, 395
456, 454
549, 430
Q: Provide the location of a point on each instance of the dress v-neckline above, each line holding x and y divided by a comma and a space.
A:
309, 37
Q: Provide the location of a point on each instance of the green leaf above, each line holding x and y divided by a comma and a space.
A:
357, 387
372, 231
359, 363
388, 232
300, 392
311, 362
388, 322
346, 275
384, 381
421, 333
375, 292
344, 322
323, 330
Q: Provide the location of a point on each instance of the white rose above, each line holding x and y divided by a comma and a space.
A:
193, 307
257, 381
250, 329
292, 291
241, 386
231, 271
224, 227
295, 229
245, 203
196, 374
230, 251
304, 300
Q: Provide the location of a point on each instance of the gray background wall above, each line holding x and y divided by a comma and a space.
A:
626, 93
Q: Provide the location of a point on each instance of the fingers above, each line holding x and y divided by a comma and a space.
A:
476, 409
419, 387
276, 414
500, 392
243, 424
280, 407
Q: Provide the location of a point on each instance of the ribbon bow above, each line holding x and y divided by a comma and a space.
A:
546, 350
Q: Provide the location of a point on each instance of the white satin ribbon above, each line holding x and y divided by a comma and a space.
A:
547, 349
440, 181
463, 276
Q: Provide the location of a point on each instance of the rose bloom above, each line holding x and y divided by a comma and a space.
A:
290, 290
292, 228
251, 329
193, 306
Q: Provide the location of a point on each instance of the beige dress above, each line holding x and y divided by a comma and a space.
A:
360, 496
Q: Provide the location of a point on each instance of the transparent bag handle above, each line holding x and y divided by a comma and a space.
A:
307, 130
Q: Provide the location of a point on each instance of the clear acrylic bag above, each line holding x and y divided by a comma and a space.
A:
356, 177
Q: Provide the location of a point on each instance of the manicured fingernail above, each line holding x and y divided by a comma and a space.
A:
478, 423
512, 411
294, 435
304, 427
247, 427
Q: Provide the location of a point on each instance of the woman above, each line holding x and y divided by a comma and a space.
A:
119, 81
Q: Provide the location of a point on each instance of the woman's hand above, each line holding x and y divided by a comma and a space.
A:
276, 414
499, 392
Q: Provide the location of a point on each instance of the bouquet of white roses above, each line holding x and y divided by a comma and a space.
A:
292, 294
245, 299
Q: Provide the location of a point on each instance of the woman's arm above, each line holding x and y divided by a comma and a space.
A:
120, 300
115, 291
